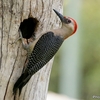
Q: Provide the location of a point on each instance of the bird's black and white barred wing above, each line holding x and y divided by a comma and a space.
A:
44, 50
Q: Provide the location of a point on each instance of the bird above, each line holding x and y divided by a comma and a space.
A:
45, 48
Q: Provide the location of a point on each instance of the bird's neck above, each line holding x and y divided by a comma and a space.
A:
63, 32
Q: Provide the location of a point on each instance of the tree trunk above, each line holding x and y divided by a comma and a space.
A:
12, 57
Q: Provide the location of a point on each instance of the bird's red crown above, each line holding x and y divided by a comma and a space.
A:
75, 25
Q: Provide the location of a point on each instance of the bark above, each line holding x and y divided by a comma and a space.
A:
12, 57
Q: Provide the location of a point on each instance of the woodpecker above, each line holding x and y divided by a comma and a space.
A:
45, 48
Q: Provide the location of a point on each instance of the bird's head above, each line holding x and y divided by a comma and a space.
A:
68, 24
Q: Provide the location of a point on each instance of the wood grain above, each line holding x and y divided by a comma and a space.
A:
12, 57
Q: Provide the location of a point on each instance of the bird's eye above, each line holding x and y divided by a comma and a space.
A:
68, 21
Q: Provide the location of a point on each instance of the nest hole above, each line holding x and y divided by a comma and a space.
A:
28, 26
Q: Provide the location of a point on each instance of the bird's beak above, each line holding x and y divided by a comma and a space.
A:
59, 15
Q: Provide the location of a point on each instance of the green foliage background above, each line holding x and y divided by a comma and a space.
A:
90, 16
90, 43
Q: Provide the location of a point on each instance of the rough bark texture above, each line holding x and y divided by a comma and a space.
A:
12, 57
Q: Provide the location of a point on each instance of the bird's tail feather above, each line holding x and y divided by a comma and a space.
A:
23, 79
